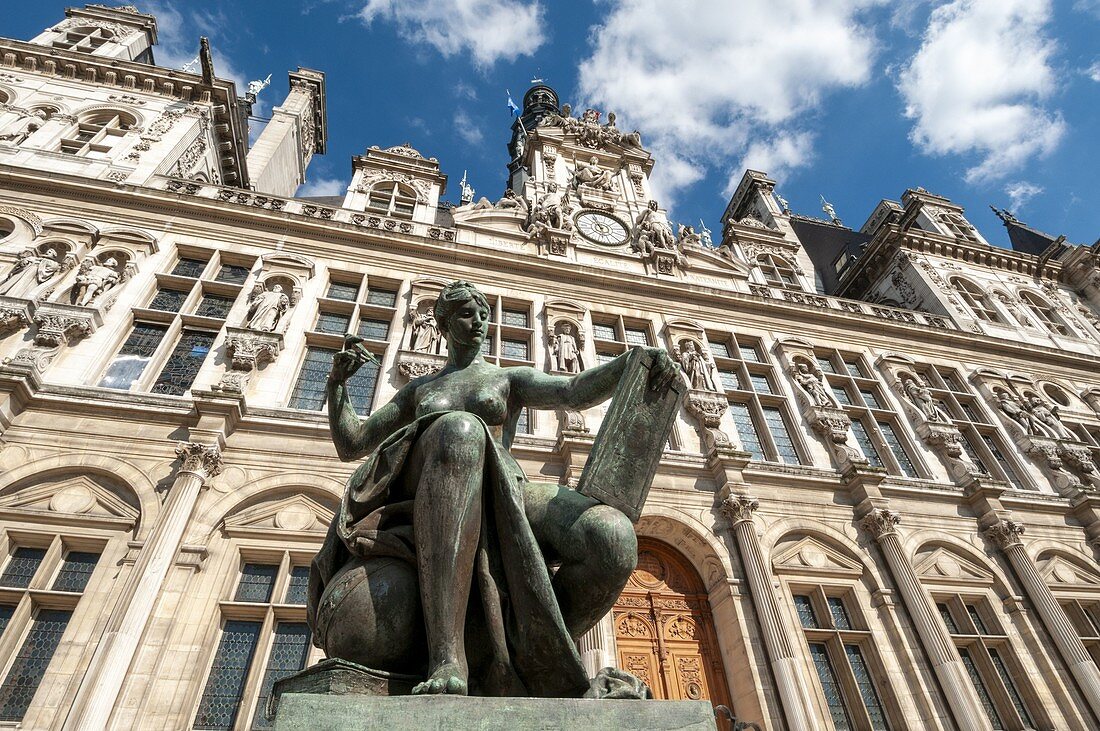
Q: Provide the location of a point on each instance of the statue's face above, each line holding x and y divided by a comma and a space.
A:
468, 325
803, 368
689, 346
277, 288
111, 262
567, 328
593, 160
52, 253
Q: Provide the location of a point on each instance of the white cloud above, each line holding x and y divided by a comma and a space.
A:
777, 156
1020, 192
322, 186
1093, 72
707, 85
489, 29
977, 83
1088, 6
467, 129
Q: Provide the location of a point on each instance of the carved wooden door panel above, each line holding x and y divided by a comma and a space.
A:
664, 633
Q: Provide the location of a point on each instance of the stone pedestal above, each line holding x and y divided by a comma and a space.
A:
300, 711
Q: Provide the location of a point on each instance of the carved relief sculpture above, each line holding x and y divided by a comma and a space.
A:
651, 232
565, 349
95, 279
31, 272
591, 175
23, 128
810, 382
1046, 418
921, 397
696, 365
266, 308
426, 335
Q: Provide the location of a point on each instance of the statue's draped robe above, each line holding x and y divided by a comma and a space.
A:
532, 652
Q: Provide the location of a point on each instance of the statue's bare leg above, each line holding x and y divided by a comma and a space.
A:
596, 545
448, 468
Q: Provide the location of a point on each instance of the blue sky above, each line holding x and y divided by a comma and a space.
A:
982, 101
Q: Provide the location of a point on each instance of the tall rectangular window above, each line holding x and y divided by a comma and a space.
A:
746, 430
75, 571
257, 582
309, 391
361, 388
31, 662
183, 364
863, 439
22, 566
221, 699
133, 356
289, 650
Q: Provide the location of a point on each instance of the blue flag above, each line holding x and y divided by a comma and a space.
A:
512, 108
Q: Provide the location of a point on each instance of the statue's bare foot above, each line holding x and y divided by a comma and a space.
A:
448, 678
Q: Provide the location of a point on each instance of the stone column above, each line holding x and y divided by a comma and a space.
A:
1005, 534
597, 646
99, 690
794, 692
946, 663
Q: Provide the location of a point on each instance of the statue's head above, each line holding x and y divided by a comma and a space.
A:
802, 367
51, 252
111, 262
277, 288
462, 311
653, 205
593, 159
689, 346
567, 327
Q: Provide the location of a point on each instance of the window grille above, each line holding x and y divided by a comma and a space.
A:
183, 364
214, 305
169, 300
232, 274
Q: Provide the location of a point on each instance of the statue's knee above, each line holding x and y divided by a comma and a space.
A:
611, 540
461, 438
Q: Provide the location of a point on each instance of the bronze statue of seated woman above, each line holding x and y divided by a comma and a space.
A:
444, 560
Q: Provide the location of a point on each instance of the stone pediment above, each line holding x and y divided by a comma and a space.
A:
80, 495
809, 555
294, 513
711, 260
945, 566
1060, 570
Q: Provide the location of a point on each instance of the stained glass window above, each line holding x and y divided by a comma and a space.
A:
1013, 693
523, 423
760, 383
22, 567
842, 396
805, 608
374, 329
361, 388
976, 619
516, 318
168, 300
866, 688
602, 331
948, 618
829, 685
232, 274
863, 439
343, 291
783, 443
605, 357
516, 349
189, 268
894, 443
257, 581
1006, 466
825, 364
289, 649
183, 365
634, 336
749, 353
222, 697
968, 447
214, 305
720, 350
31, 662
746, 430
309, 391
333, 322
983, 692
382, 297
75, 571
297, 588
838, 612
6, 612
853, 369
869, 398
133, 356
730, 380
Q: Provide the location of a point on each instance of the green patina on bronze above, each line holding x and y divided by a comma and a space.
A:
444, 560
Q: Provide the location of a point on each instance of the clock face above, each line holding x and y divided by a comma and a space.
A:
600, 228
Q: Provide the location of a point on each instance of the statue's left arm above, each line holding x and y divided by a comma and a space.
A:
531, 387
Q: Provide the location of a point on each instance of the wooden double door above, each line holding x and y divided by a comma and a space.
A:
664, 632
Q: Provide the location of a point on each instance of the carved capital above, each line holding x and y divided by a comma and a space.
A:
941, 437
881, 522
706, 406
1005, 534
831, 423
204, 460
249, 350
739, 508
55, 330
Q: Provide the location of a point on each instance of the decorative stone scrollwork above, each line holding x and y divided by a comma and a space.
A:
204, 460
14, 314
709, 407
414, 365
371, 178
249, 350
739, 508
1005, 533
881, 522
55, 330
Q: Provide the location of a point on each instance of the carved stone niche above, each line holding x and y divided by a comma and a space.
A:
293, 268
424, 344
98, 279
566, 337
57, 325
820, 408
929, 416
703, 400
1091, 396
1037, 431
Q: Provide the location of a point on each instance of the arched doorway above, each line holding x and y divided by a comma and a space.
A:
664, 633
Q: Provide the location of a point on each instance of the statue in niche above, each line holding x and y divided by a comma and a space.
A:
811, 383
266, 308
651, 232
1048, 417
512, 202
591, 175
436, 561
426, 336
25, 127
1013, 410
922, 398
30, 272
94, 279
566, 350
697, 366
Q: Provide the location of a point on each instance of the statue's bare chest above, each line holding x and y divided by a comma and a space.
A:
481, 394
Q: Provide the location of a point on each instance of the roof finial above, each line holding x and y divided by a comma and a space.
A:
1005, 215
466, 191
827, 207
783, 204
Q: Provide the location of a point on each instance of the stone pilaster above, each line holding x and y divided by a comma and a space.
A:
1005, 534
789, 681
597, 646
881, 524
102, 684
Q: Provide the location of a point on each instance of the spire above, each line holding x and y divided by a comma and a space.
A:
1005, 215
1023, 237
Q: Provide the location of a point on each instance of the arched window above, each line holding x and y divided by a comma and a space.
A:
96, 134
1043, 310
977, 300
392, 199
777, 271
4, 98
84, 38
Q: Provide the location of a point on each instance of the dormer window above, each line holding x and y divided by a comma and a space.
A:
977, 300
96, 134
85, 39
777, 272
1043, 310
392, 199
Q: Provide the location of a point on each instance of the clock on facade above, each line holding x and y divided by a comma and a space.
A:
600, 228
